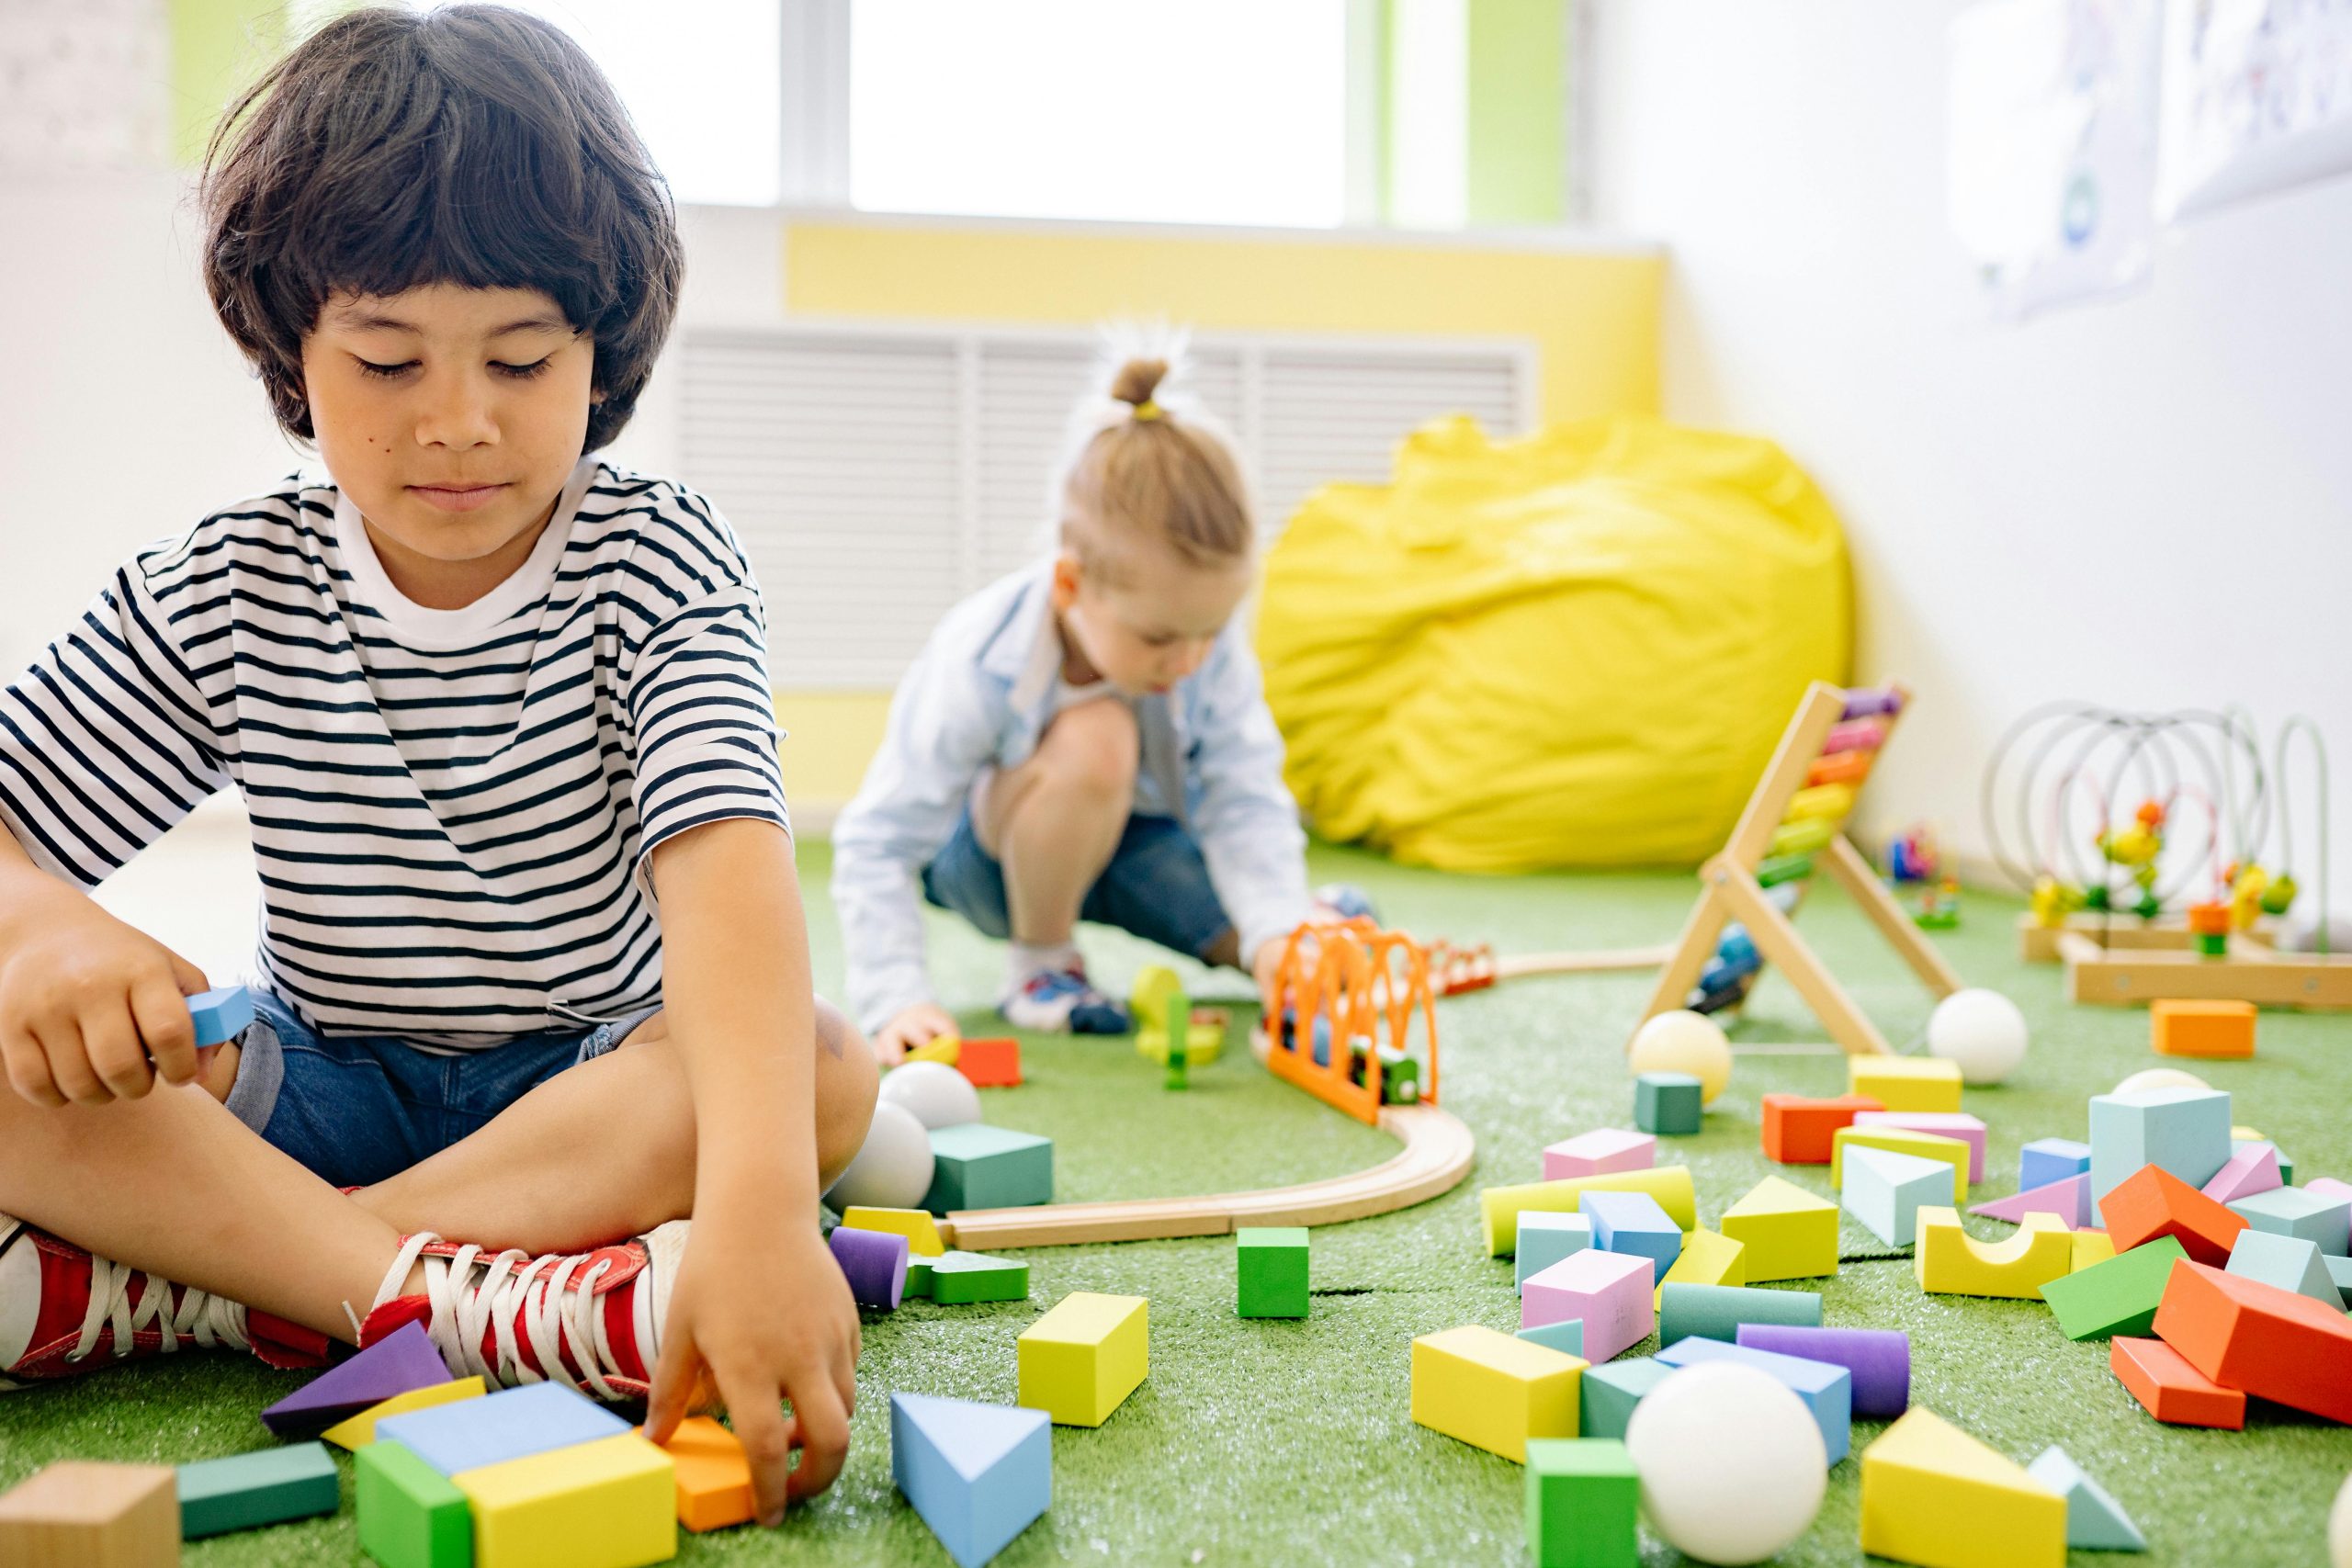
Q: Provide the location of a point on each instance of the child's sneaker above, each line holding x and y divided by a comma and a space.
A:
63, 1311
591, 1320
1062, 1001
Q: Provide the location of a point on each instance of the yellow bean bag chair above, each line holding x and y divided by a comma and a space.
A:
1575, 649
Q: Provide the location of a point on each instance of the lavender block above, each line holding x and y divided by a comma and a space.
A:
398, 1363
1880, 1360
875, 1262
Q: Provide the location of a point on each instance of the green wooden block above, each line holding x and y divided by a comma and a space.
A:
410, 1515
979, 1166
1668, 1103
1608, 1392
1582, 1497
1271, 1264
959, 1279
247, 1491
918, 1277
1715, 1312
2117, 1295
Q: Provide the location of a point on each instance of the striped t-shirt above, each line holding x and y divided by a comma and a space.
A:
452, 809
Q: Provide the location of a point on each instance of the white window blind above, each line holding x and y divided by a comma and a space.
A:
878, 475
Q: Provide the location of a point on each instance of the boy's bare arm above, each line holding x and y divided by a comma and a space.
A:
759, 1305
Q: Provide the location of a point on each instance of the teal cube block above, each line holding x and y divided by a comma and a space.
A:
1566, 1335
2290, 1262
1610, 1390
1582, 1498
410, 1515
2324, 1222
1715, 1312
979, 1166
1669, 1103
2184, 1131
1271, 1265
1546, 1236
247, 1491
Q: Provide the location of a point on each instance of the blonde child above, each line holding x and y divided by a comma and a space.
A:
1084, 739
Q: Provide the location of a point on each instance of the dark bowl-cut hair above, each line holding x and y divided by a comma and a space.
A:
471, 145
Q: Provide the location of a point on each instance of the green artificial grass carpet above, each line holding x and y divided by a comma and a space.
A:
1288, 1442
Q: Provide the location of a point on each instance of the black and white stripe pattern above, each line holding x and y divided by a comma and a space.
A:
451, 839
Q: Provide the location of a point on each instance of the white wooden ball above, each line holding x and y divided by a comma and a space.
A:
1981, 1030
893, 1170
1683, 1042
2149, 1079
2339, 1525
1731, 1464
937, 1094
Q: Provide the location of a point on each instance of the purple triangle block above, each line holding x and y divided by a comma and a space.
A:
405, 1361
2069, 1199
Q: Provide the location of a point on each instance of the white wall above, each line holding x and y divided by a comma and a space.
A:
2146, 504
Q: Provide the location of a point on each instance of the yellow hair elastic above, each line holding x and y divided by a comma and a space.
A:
1147, 410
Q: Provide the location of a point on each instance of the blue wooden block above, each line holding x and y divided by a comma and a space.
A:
976, 1474
2290, 1262
1545, 1237
1566, 1335
1826, 1388
267, 1486
1608, 1392
1669, 1103
1633, 1222
1885, 1189
512, 1424
220, 1014
2046, 1161
2298, 1211
2184, 1131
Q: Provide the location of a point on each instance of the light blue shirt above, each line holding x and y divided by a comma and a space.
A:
980, 695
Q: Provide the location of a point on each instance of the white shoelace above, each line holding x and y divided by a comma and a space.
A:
476, 1290
208, 1320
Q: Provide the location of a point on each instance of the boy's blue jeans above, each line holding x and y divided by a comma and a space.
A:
1156, 886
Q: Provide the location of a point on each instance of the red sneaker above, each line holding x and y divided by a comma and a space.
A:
591, 1320
63, 1311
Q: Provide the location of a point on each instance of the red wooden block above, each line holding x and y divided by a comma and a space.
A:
2255, 1337
990, 1064
2154, 1202
1798, 1131
2172, 1389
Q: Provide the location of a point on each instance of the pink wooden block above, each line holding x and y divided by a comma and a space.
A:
1599, 1153
1610, 1291
1943, 1123
2253, 1168
2069, 1199
2329, 1187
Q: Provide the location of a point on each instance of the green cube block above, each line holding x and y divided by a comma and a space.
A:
960, 1278
1668, 1103
1272, 1263
1605, 1401
2117, 1295
410, 1515
247, 1491
1715, 1312
1581, 1498
979, 1166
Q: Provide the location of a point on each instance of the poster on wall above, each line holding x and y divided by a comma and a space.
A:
2258, 97
2052, 156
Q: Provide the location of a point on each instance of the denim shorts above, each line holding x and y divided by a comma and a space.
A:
1156, 887
358, 1109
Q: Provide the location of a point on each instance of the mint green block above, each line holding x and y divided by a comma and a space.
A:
1582, 1495
1544, 1238
979, 1166
2115, 1295
1715, 1312
2184, 1131
959, 1279
1566, 1335
2339, 1270
2290, 1262
410, 1515
1610, 1390
2298, 1211
247, 1491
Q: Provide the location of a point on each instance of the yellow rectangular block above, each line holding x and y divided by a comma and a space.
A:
1902, 1139
1949, 1262
1085, 1356
944, 1049
1906, 1083
1494, 1391
1500, 1207
1708, 1258
1788, 1232
1934, 1495
609, 1503
358, 1431
2090, 1246
915, 1224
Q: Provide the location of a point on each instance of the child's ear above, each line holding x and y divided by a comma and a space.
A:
1067, 578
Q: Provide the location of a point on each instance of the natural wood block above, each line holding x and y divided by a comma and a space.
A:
79, 1514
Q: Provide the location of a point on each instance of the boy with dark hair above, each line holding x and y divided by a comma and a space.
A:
485, 696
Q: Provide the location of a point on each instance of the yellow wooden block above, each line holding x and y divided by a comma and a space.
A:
1707, 1259
1933, 1494
1500, 1207
358, 1431
1831, 800
609, 1503
915, 1224
1494, 1391
1902, 1139
1950, 1262
1906, 1083
942, 1048
2090, 1246
1789, 1234
1082, 1358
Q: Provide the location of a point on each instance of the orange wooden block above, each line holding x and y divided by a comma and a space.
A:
1799, 1130
2154, 1202
2257, 1338
990, 1064
1839, 767
75, 1515
2185, 1027
714, 1478
2174, 1391
2208, 919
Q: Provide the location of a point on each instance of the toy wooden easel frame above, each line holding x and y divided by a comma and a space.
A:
1732, 891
